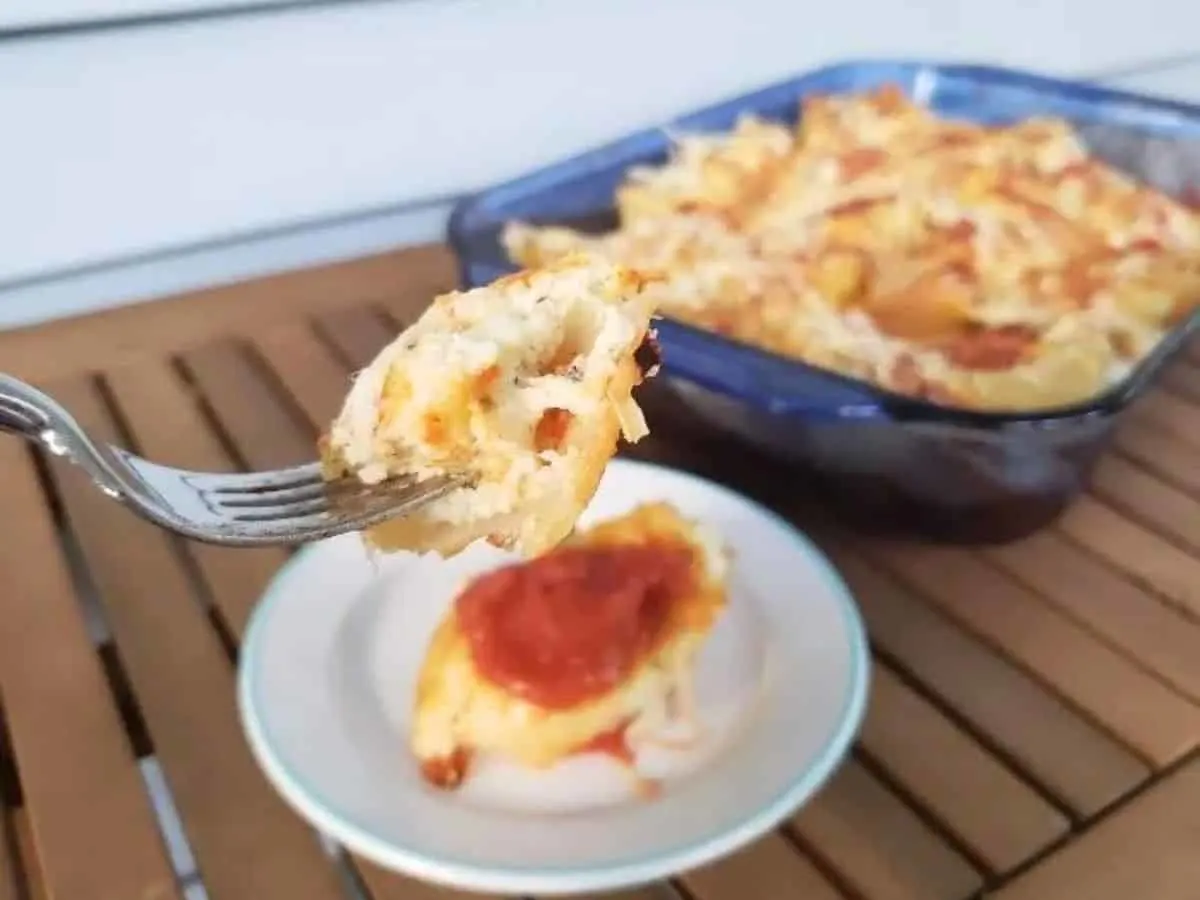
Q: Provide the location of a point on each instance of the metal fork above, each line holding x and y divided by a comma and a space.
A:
286, 506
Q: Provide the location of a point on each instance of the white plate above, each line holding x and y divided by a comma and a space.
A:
326, 682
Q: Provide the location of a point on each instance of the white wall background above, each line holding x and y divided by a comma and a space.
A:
122, 142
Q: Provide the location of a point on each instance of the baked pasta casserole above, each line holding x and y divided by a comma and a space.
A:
988, 267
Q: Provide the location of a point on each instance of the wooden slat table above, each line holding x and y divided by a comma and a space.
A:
1035, 711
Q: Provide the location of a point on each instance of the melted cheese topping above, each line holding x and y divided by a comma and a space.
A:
988, 267
509, 383
535, 335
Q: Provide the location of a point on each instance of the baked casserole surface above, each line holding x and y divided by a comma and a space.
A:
989, 267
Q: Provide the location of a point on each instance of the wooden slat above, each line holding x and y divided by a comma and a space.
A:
118, 336
250, 412
35, 881
769, 869
385, 885
357, 334
1099, 599
315, 379
242, 399
1148, 849
1159, 724
168, 426
1078, 764
96, 834
1170, 412
411, 297
1142, 496
1183, 378
246, 841
878, 846
999, 818
1148, 558
8, 866
662, 891
1157, 451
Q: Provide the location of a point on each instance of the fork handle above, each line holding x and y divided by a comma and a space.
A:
38, 417
26, 411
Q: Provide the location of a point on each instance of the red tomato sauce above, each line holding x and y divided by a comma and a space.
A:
991, 349
569, 627
611, 743
859, 161
447, 771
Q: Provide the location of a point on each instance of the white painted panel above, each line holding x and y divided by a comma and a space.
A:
120, 142
135, 281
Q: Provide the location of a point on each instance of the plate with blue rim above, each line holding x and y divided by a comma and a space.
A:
327, 674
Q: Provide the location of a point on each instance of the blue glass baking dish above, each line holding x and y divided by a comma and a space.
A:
886, 461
